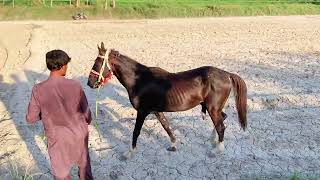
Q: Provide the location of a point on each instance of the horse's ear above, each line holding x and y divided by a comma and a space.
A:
102, 45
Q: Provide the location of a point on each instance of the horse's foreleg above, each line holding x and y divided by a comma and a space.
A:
141, 115
165, 124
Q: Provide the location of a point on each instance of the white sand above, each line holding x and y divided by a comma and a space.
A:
278, 57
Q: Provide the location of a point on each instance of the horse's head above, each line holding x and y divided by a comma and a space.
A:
100, 72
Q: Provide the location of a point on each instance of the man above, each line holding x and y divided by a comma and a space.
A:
62, 106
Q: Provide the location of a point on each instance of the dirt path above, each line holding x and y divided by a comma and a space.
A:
278, 57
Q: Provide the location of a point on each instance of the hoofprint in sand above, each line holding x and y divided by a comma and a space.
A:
278, 57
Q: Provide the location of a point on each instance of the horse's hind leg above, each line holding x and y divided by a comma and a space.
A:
165, 124
204, 110
217, 120
215, 103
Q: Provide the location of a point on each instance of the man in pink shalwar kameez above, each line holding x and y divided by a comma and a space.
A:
62, 106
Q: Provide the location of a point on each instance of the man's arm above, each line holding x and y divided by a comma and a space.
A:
34, 112
85, 109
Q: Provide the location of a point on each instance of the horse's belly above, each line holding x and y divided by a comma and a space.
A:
180, 108
183, 105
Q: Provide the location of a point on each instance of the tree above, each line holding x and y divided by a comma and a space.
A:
106, 4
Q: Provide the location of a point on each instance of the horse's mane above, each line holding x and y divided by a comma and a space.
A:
116, 54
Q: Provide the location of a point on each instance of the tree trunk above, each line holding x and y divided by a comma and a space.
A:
113, 3
77, 3
106, 4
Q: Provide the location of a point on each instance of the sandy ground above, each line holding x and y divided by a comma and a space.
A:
278, 57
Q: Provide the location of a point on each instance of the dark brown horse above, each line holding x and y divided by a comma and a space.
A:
155, 90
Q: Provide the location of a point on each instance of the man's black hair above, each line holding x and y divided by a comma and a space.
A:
55, 59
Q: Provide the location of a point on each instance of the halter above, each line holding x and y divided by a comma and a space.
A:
102, 80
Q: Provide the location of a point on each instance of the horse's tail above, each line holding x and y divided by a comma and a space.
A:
240, 92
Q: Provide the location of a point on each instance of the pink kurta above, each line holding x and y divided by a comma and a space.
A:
63, 108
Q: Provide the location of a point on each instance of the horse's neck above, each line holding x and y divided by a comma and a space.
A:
128, 73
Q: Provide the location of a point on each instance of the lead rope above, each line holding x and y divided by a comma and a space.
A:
96, 125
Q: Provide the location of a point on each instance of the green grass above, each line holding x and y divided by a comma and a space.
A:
126, 9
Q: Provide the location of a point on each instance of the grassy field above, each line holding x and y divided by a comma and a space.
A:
126, 9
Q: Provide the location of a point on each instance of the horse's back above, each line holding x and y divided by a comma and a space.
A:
204, 72
200, 71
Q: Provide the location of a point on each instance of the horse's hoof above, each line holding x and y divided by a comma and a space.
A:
172, 149
128, 155
214, 142
220, 147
